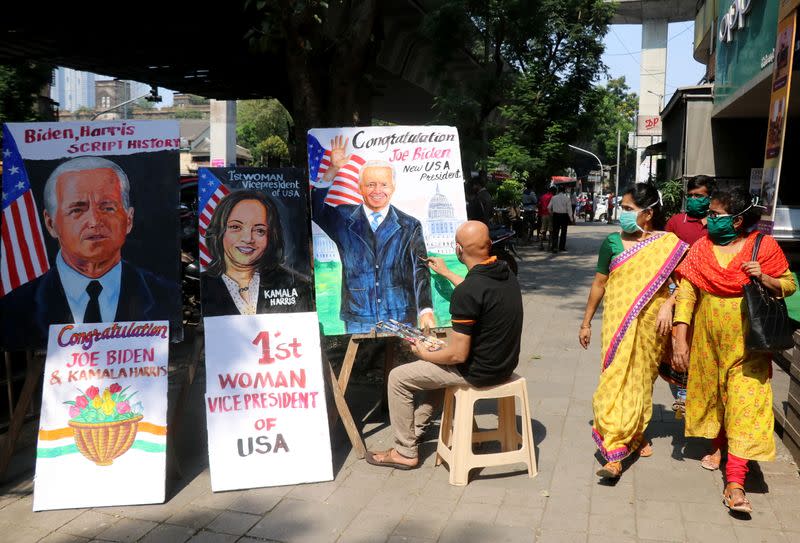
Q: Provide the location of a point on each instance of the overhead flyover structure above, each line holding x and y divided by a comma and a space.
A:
192, 49
654, 16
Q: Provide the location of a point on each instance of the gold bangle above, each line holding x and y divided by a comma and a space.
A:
585, 326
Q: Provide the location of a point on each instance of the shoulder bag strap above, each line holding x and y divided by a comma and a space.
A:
756, 246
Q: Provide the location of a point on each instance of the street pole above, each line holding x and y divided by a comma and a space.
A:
616, 177
151, 96
584, 151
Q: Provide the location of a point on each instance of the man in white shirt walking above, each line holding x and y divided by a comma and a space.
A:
560, 208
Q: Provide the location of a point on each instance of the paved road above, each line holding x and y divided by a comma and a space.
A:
667, 497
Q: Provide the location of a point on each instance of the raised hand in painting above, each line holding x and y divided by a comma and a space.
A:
339, 157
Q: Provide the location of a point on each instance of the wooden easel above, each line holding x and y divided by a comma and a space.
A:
339, 384
34, 367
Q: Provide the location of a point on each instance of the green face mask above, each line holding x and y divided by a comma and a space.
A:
697, 208
721, 230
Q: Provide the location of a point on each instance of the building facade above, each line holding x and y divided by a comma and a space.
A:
73, 89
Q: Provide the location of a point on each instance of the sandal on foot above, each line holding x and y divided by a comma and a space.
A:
711, 461
646, 450
742, 505
384, 459
612, 470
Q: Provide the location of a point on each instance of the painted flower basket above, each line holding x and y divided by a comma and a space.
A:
104, 424
102, 442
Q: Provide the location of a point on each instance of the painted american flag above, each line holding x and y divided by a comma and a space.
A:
22, 254
344, 189
210, 191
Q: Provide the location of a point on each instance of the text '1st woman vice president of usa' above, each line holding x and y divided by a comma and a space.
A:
247, 274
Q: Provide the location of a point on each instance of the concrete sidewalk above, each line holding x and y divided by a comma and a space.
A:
666, 497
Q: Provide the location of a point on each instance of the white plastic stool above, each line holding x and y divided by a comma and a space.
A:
456, 435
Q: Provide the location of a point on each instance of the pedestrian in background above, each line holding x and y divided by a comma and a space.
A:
480, 206
631, 279
729, 395
546, 227
561, 209
689, 227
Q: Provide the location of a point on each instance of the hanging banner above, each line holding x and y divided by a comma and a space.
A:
103, 425
265, 401
384, 199
778, 111
90, 226
254, 234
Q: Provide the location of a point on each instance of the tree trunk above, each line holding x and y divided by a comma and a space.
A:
328, 82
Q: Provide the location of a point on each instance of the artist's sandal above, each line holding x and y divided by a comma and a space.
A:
711, 461
384, 459
612, 470
740, 506
646, 450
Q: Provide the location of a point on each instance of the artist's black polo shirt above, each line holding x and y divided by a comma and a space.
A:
487, 306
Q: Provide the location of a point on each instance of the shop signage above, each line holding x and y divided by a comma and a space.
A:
778, 113
733, 19
648, 125
767, 59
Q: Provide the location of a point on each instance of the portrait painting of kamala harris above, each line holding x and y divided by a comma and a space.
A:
254, 241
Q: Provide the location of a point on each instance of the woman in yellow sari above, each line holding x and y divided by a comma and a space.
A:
631, 280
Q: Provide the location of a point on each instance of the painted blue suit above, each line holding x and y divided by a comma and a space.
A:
383, 276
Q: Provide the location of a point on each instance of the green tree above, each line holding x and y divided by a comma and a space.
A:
537, 61
198, 100
328, 53
609, 109
509, 193
273, 151
190, 114
83, 112
257, 120
20, 85
144, 103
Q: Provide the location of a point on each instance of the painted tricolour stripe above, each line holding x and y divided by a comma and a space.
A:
61, 441
55, 452
62, 433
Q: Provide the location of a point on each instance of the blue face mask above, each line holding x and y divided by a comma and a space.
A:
627, 220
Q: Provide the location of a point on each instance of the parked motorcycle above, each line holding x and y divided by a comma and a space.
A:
503, 246
190, 264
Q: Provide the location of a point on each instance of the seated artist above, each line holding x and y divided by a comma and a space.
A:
483, 350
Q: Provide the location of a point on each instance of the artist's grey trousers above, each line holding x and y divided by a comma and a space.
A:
427, 382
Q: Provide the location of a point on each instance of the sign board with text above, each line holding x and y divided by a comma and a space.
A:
778, 113
648, 125
384, 199
265, 401
88, 205
103, 425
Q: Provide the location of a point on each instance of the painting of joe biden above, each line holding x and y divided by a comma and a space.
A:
88, 211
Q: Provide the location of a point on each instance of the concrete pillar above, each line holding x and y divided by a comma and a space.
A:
652, 85
223, 133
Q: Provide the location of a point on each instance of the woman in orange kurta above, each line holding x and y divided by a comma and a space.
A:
729, 396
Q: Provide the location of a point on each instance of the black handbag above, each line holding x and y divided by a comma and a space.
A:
770, 327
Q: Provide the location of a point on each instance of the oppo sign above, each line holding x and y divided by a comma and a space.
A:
733, 20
